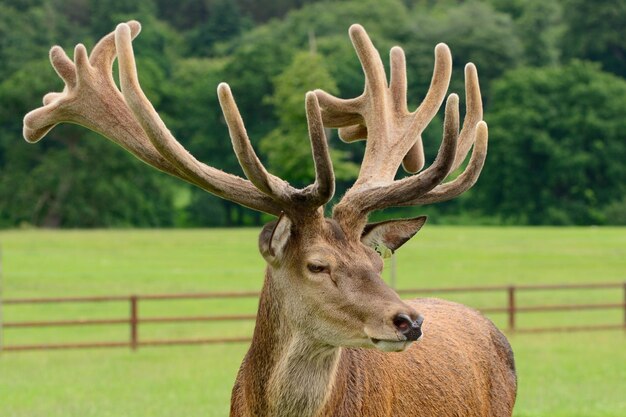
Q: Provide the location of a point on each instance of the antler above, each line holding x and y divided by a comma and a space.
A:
393, 134
91, 98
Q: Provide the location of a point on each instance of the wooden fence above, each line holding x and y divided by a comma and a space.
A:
134, 320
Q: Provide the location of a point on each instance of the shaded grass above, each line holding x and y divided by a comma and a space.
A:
582, 374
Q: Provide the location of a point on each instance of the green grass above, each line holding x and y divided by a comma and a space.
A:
578, 374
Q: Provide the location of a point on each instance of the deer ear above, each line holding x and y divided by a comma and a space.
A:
274, 238
386, 237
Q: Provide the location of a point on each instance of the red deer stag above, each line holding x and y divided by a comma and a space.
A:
326, 319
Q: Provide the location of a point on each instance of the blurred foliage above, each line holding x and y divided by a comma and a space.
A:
595, 30
557, 131
286, 147
475, 32
556, 146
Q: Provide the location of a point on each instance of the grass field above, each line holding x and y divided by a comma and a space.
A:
560, 375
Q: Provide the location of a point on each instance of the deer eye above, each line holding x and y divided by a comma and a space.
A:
317, 268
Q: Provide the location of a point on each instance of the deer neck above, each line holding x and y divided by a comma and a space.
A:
286, 373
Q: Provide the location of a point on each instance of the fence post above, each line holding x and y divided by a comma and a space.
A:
511, 307
134, 322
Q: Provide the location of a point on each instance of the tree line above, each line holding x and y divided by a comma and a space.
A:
552, 76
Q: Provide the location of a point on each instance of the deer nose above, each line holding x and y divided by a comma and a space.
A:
411, 329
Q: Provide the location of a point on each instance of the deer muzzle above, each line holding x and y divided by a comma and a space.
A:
411, 329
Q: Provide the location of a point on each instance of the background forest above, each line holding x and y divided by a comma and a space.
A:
552, 75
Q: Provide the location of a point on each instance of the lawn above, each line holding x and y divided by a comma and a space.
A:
578, 374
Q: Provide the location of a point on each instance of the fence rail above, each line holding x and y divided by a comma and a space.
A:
133, 321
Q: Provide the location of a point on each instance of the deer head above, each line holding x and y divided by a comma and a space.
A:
325, 272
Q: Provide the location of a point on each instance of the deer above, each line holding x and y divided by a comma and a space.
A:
331, 338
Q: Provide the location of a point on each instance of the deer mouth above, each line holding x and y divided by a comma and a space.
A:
387, 345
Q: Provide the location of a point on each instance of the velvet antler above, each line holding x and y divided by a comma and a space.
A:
127, 117
393, 134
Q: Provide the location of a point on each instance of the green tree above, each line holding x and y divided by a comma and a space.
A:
73, 178
557, 146
475, 32
596, 31
286, 147
25, 35
53, 189
70, 179
183, 14
193, 113
264, 52
262, 11
224, 22
539, 29
549, 109
105, 15
539, 26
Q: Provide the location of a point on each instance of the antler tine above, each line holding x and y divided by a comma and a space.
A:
375, 78
40, 121
78, 103
353, 133
395, 193
340, 113
463, 182
473, 115
91, 99
63, 65
153, 126
393, 134
414, 160
104, 53
397, 79
380, 113
206, 177
324, 187
71, 105
475, 133
81, 61
337, 112
250, 163
314, 196
434, 174
436, 92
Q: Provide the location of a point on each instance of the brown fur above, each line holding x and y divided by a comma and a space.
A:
323, 301
462, 367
